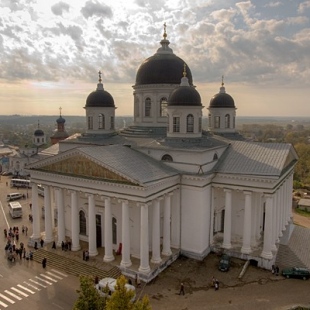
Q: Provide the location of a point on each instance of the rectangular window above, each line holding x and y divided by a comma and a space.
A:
176, 124
90, 122
112, 122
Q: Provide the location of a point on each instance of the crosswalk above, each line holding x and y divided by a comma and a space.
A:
30, 287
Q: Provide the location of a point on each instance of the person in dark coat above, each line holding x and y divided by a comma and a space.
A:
36, 245
42, 243
54, 245
44, 261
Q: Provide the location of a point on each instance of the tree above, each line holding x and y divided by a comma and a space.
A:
122, 298
89, 298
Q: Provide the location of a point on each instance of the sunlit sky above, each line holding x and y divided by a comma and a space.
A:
51, 51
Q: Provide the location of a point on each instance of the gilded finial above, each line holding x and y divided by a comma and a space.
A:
60, 108
222, 80
184, 70
165, 33
38, 124
99, 73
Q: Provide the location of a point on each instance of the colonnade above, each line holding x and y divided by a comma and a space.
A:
108, 234
278, 211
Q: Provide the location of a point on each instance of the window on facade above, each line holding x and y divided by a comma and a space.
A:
199, 124
190, 123
163, 106
216, 122
234, 122
101, 121
176, 124
112, 122
210, 120
166, 157
137, 107
148, 107
90, 122
114, 231
38, 140
82, 223
215, 157
227, 121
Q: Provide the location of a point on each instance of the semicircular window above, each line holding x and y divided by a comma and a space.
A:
166, 157
215, 157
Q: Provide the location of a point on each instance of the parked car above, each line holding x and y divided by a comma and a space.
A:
106, 287
296, 272
224, 264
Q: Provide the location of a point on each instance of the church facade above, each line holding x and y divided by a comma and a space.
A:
165, 187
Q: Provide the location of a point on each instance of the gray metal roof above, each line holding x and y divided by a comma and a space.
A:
129, 163
254, 158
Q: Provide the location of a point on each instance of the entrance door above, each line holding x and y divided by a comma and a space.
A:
98, 231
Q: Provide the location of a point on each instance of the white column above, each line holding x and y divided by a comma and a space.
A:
227, 220
212, 217
108, 253
48, 215
166, 238
92, 238
246, 246
274, 223
144, 240
126, 262
35, 212
75, 222
268, 228
277, 220
176, 219
60, 216
156, 259
290, 197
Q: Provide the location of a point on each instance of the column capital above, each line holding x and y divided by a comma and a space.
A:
105, 198
123, 200
247, 193
227, 190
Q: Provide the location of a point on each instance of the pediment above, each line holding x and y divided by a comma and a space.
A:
83, 167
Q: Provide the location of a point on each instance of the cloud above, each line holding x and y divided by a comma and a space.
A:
94, 8
60, 7
302, 7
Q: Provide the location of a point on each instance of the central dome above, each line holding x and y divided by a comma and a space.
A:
162, 69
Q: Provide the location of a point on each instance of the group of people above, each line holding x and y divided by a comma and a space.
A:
11, 234
275, 270
66, 245
86, 255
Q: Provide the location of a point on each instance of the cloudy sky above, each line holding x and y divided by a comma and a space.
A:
51, 51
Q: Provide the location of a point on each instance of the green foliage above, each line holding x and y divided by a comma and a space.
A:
89, 298
302, 167
302, 212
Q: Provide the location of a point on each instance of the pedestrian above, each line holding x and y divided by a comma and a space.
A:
36, 245
83, 255
182, 289
44, 261
96, 279
277, 270
54, 245
30, 205
42, 242
20, 253
86, 256
62, 245
23, 229
213, 281
26, 230
24, 252
216, 285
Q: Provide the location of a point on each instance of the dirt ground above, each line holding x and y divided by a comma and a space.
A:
258, 288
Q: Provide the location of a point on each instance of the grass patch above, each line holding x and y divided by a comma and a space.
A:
302, 212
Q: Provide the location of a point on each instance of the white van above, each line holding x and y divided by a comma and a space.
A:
106, 287
15, 209
13, 196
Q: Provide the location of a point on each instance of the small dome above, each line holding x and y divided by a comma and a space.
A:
222, 100
184, 95
60, 120
100, 98
39, 133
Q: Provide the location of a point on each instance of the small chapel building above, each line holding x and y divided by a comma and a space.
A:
164, 186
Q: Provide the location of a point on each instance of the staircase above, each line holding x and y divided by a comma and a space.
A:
297, 250
76, 267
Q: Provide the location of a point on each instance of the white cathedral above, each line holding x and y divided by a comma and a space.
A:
164, 187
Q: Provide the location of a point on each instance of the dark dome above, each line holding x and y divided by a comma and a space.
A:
100, 98
39, 133
184, 96
162, 69
222, 100
60, 120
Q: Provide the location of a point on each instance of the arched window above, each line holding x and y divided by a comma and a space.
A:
101, 121
216, 122
90, 122
147, 111
82, 223
114, 231
227, 121
166, 157
190, 123
112, 122
163, 106
176, 124
210, 121
215, 157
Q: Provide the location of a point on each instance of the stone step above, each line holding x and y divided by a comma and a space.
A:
74, 267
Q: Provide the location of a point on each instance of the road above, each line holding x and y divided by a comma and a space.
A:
25, 284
